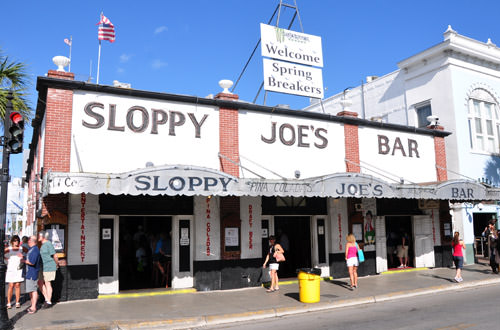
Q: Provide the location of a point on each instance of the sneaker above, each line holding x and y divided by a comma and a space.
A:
457, 280
46, 305
401, 266
460, 279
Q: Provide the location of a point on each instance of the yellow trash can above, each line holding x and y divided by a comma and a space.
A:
309, 281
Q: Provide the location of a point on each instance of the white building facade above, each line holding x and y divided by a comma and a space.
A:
458, 82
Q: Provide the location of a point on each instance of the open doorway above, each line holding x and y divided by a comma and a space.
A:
398, 227
294, 234
138, 264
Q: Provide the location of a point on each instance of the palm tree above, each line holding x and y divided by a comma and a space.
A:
14, 77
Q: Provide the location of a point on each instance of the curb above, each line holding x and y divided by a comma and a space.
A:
210, 320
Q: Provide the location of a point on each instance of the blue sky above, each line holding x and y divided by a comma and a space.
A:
186, 47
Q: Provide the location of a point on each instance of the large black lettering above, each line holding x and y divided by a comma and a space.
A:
383, 145
144, 116
143, 181
323, 139
300, 135
210, 182
112, 119
194, 182
413, 148
197, 125
159, 117
272, 139
398, 146
291, 141
89, 111
174, 122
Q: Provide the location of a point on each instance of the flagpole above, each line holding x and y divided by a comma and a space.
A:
98, 62
70, 45
99, 56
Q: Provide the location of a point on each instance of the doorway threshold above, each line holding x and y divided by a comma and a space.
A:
403, 270
145, 293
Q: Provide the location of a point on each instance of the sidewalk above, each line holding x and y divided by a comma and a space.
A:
165, 309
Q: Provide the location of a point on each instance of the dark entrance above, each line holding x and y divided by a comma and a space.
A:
297, 231
396, 228
138, 239
481, 221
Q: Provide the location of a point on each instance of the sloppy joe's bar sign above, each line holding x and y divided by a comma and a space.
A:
183, 180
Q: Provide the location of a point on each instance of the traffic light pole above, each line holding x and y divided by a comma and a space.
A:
4, 177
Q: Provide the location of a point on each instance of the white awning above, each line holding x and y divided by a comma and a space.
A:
192, 180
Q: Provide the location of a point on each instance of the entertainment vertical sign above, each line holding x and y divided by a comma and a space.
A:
286, 49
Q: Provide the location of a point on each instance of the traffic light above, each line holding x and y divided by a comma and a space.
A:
16, 132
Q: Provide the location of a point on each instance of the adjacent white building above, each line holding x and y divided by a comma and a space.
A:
457, 82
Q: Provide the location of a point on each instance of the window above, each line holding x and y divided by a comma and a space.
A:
484, 122
422, 113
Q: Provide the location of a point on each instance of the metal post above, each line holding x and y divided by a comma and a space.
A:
4, 177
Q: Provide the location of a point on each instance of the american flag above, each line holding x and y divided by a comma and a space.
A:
106, 29
67, 41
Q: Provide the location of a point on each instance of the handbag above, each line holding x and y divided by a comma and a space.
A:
361, 255
280, 257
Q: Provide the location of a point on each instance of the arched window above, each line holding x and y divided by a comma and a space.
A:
484, 122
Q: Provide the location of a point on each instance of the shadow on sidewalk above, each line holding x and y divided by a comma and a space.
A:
439, 277
343, 284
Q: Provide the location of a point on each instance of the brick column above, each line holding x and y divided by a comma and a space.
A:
440, 152
57, 144
228, 136
351, 143
229, 147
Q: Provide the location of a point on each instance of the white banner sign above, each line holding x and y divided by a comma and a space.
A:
284, 77
291, 46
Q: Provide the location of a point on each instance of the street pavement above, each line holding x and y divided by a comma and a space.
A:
183, 309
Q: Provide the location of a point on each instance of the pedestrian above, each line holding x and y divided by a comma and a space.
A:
273, 263
50, 263
491, 235
32, 269
14, 275
458, 256
403, 250
351, 257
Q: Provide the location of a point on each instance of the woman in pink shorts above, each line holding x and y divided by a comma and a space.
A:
351, 257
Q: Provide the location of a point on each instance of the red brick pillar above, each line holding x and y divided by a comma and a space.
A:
351, 143
440, 152
57, 147
228, 136
229, 147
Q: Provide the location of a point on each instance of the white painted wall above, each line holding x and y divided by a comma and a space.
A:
415, 162
109, 151
282, 159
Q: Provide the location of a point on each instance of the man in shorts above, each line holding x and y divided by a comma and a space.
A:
33, 267
50, 262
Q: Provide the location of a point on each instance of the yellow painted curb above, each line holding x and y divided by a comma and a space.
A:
403, 270
145, 294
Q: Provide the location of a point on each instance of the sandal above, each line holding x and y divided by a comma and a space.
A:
18, 305
30, 311
270, 290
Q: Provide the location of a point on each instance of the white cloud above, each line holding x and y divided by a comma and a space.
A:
158, 64
125, 58
161, 29
120, 70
